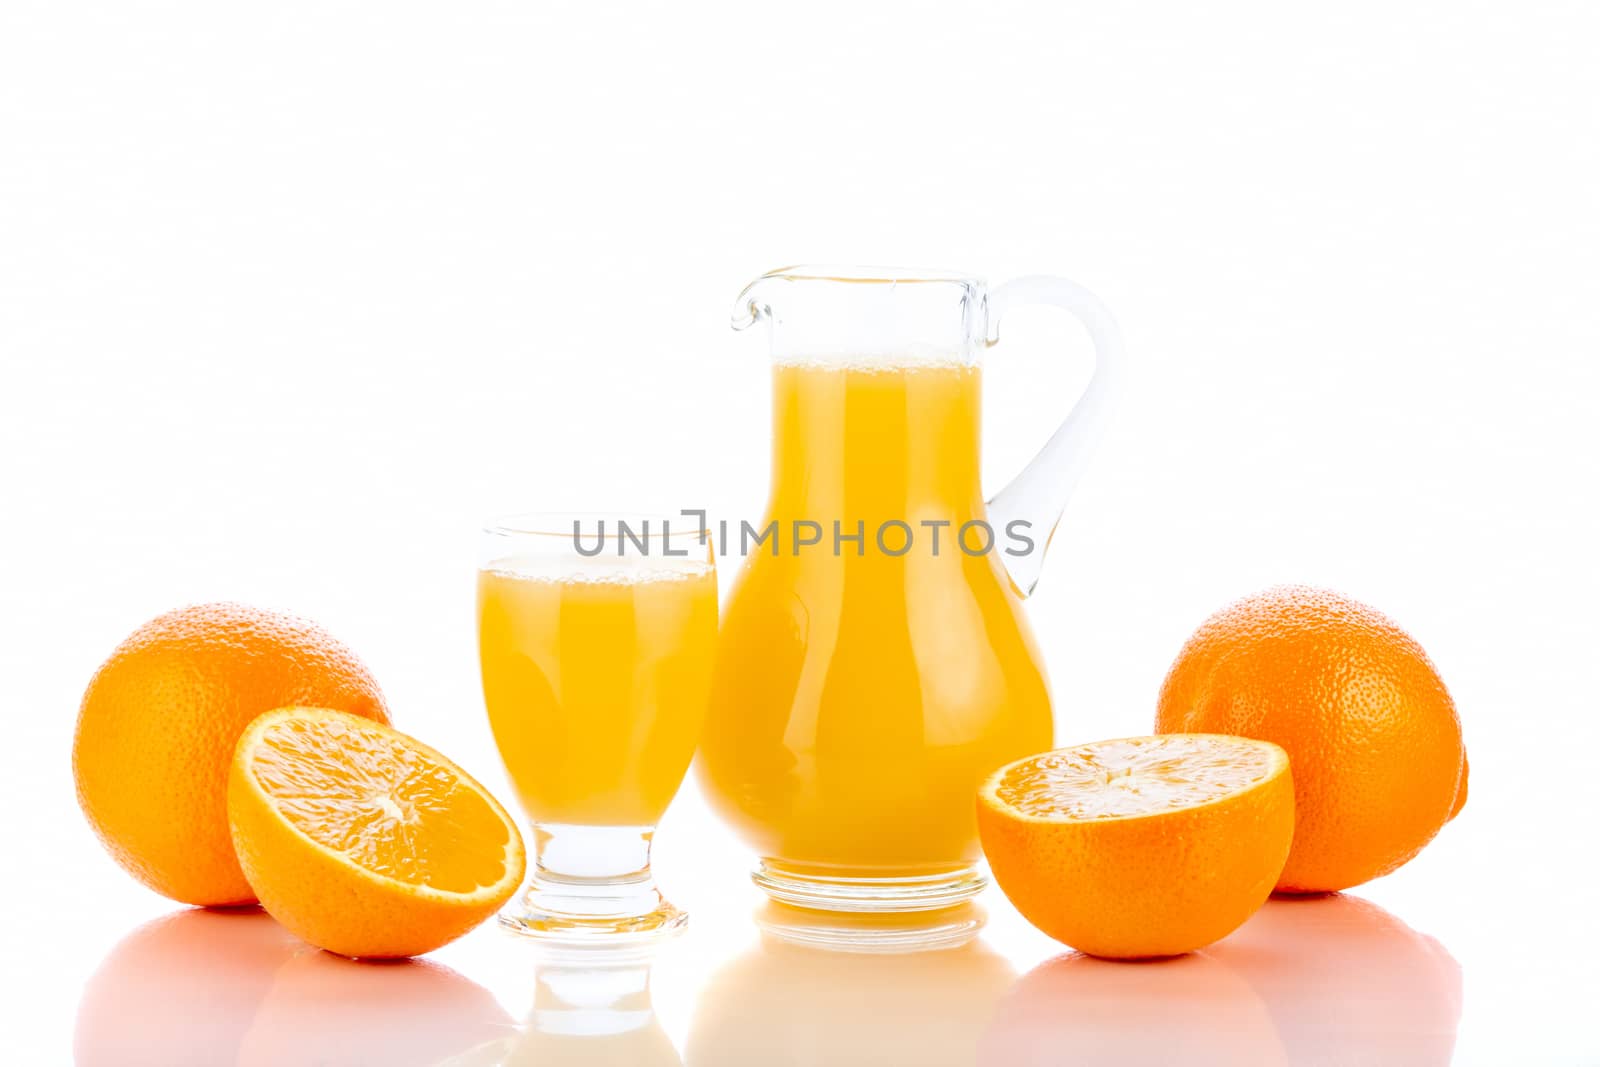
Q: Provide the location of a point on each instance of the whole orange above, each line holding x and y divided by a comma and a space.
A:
158, 725
1370, 729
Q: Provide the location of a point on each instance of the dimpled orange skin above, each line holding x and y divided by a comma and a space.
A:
1145, 886
1379, 765
158, 724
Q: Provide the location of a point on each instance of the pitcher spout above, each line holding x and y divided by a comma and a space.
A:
752, 307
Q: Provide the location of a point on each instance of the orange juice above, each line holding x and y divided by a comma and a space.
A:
860, 697
595, 675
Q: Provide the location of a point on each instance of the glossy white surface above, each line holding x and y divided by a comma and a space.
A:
1340, 979
1331, 981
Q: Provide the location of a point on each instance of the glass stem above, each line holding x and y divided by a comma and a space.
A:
589, 855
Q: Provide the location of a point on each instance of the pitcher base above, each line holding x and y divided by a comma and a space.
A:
820, 892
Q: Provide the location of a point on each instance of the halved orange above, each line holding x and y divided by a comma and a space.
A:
1144, 846
364, 841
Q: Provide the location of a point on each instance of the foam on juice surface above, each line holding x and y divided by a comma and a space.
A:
630, 569
895, 361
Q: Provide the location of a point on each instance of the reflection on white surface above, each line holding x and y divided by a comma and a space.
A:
209, 988
800, 1004
591, 1009
1329, 980
1191, 1009
1346, 982
180, 990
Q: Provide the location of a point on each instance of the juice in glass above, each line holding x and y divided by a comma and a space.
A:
595, 678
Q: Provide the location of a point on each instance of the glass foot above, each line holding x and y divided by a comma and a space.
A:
561, 916
592, 885
822, 891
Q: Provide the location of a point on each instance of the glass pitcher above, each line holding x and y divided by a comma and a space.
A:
874, 663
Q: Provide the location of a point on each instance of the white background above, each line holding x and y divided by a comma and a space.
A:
293, 294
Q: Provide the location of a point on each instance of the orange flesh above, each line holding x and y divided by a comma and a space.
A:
1137, 776
387, 807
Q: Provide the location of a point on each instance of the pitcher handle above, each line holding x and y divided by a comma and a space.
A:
1038, 494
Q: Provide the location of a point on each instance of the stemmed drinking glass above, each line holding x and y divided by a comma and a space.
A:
596, 636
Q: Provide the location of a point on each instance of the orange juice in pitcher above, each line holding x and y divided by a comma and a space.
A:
874, 661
